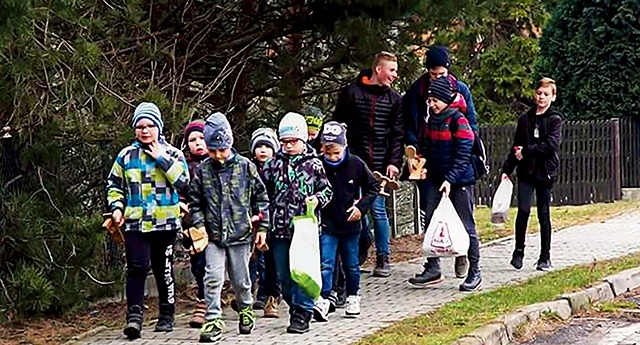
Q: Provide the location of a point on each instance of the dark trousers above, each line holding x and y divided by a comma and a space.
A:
257, 273
271, 284
198, 262
543, 201
155, 250
462, 198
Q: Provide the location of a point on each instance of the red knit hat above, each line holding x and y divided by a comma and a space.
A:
193, 126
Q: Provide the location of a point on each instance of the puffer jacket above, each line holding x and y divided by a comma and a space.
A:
224, 197
447, 145
289, 181
373, 115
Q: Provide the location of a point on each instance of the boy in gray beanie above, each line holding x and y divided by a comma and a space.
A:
226, 193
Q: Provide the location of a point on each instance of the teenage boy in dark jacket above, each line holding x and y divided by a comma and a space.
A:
354, 189
447, 143
371, 109
536, 144
225, 193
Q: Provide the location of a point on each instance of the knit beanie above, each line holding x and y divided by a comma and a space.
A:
441, 89
217, 132
313, 116
437, 56
293, 125
149, 111
265, 136
193, 126
334, 132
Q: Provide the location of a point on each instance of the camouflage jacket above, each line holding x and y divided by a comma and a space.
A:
290, 180
224, 197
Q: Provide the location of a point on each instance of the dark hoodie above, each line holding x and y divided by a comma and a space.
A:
348, 178
373, 116
539, 153
289, 181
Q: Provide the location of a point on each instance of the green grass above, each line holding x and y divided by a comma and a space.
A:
458, 318
561, 217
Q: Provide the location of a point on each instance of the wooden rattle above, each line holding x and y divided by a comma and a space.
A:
415, 162
385, 182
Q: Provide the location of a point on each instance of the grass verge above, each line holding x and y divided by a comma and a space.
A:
458, 318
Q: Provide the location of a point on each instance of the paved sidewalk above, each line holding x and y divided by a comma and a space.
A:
387, 300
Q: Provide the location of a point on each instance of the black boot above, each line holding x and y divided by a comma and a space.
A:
430, 276
299, 322
165, 318
382, 268
473, 281
134, 322
516, 258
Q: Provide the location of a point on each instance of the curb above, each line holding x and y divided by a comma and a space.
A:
501, 331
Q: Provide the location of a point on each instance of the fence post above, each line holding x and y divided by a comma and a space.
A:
615, 159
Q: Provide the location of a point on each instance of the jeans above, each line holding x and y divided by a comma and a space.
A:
462, 199
543, 201
237, 260
381, 228
347, 246
155, 247
291, 292
198, 263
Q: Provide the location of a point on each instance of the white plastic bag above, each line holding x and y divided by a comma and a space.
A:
446, 235
501, 202
304, 254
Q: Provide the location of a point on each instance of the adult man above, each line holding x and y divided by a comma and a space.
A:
415, 110
371, 109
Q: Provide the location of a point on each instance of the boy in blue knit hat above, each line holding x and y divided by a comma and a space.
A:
226, 192
142, 195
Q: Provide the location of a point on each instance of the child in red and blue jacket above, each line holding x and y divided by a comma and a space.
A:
446, 143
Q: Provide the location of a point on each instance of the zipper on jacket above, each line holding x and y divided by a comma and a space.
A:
372, 125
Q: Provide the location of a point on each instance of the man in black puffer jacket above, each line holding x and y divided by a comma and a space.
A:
371, 109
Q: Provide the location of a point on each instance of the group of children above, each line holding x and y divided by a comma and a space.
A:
245, 209
236, 215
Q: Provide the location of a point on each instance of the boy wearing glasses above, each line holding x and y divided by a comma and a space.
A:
294, 178
226, 192
142, 195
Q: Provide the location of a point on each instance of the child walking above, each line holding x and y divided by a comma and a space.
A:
142, 195
225, 193
341, 226
294, 178
196, 152
264, 145
536, 144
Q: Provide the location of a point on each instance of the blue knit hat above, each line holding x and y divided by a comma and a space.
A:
437, 56
217, 132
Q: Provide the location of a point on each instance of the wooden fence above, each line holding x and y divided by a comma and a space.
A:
630, 152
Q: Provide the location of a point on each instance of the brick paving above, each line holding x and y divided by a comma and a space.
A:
387, 300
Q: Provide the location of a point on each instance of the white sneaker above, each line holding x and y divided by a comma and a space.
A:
353, 307
321, 310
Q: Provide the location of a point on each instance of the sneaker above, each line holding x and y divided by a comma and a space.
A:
430, 276
341, 301
353, 307
382, 268
247, 320
271, 308
461, 266
198, 315
165, 318
333, 299
321, 310
473, 282
543, 265
299, 322
211, 331
134, 323
516, 258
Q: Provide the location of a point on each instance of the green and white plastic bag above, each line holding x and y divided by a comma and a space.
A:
304, 253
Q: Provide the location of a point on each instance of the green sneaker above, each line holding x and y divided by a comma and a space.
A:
211, 331
247, 320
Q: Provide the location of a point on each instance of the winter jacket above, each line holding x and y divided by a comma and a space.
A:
414, 107
146, 189
192, 162
352, 182
290, 180
224, 197
373, 116
447, 144
539, 154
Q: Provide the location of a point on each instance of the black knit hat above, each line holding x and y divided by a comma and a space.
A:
441, 89
437, 56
